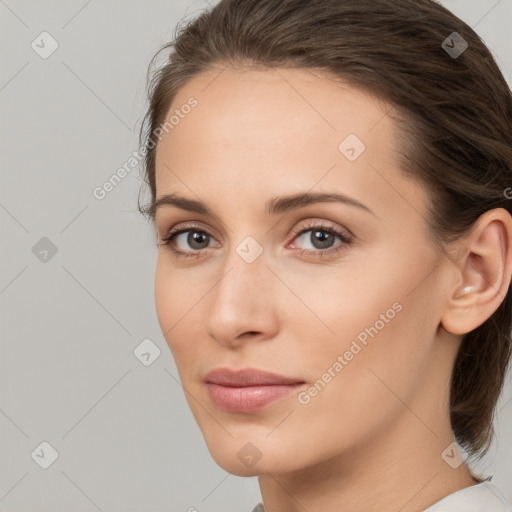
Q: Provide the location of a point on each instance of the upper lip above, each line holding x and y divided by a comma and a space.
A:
247, 377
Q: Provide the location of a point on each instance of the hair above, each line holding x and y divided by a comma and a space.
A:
454, 119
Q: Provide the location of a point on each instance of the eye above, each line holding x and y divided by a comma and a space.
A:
196, 238
321, 238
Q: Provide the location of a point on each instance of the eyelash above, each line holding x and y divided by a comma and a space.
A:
169, 240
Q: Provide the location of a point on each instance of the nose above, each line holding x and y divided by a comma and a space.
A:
243, 302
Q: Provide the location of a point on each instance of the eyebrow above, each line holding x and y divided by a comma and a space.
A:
274, 206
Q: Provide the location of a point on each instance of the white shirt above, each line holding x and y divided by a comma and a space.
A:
482, 497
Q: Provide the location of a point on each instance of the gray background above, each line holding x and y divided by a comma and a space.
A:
125, 438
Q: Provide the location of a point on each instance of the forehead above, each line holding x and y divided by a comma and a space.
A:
252, 130
271, 106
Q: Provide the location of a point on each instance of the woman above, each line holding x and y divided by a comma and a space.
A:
330, 187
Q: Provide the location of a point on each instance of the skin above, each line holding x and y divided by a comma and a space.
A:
372, 438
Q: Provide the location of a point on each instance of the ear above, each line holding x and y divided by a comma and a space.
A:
484, 273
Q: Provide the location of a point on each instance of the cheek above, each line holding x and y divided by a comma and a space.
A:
336, 305
172, 302
369, 318
174, 294
179, 313
354, 385
164, 296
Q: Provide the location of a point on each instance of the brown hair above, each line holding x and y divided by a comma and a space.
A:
455, 127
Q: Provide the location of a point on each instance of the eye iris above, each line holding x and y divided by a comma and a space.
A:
197, 237
325, 239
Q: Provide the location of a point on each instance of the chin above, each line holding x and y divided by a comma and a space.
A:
232, 464
251, 455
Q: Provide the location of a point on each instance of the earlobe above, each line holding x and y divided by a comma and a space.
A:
484, 273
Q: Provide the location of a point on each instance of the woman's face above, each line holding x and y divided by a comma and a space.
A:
343, 297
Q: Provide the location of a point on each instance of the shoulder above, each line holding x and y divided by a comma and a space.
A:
482, 497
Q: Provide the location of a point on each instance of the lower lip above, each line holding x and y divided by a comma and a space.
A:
249, 398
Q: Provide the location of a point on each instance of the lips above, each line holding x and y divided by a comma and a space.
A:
248, 377
247, 390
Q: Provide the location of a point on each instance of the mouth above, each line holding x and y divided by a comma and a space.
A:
248, 390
